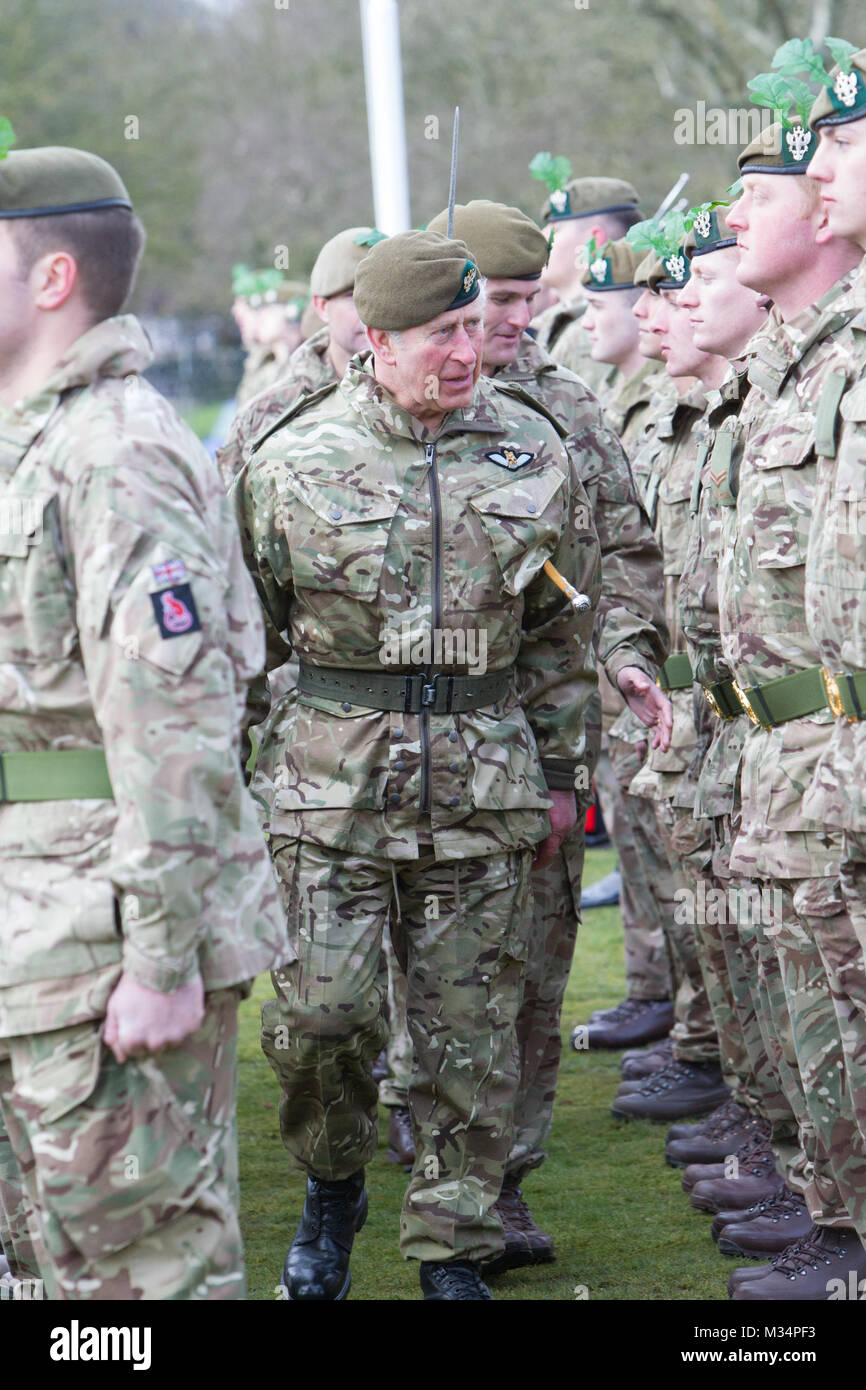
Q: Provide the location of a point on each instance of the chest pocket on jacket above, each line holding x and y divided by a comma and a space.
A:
781, 491
523, 522
337, 536
36, 591
849, 492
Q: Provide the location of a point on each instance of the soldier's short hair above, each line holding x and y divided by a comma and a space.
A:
106, 244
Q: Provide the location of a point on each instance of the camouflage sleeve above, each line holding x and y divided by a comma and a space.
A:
698, 592
266, 554
630, 628
169, 633
556, 663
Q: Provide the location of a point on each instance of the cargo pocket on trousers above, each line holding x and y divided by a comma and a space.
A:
116, 1154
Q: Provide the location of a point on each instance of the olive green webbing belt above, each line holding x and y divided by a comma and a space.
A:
846, 693
52, 774
676, 673
723, 700
789, 697
408, 693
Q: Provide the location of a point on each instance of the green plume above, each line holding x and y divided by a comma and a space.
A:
7, 136
552, 170
780, 94
369, 238
842, 52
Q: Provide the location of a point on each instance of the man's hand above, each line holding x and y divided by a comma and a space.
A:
649, 703
563, 815
139, 1021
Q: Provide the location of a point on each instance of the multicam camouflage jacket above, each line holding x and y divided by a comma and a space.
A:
664, 468
375, 545
630, 629
628, 407
128, 624
836, 573
762, 576
308, 369
715, 761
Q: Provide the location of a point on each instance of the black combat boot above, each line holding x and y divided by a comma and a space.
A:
317, 1265
452, 1279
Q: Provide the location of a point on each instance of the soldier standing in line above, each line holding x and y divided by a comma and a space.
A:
139, 898
409, 512
790, 254
646, 1014
577, 212
510, 252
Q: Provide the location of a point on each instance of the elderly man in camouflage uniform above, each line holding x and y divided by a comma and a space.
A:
511, 251
139, 897
398, 528
789, 253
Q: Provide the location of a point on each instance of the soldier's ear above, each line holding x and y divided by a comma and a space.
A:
383, 346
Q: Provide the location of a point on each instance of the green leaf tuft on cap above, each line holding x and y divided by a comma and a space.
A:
7, 136
842, 52
552, 170
798, 55
648, 236
369, 238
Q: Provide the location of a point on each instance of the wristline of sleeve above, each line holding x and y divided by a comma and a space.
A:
165, 975
621, 657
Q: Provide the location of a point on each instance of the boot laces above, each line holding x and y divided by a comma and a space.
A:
462, 1281
514, 1211
808, 1253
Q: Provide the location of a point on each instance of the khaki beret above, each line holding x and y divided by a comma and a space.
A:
56, 179
846, 99
650, 271
410, 278
779, 149
339, 258
614, 267
710, 232
505, 242
589, 197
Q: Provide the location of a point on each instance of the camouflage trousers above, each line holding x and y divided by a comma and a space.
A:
647, 888
465, 924
555, 919
394, 1090
119, 1181
764, 1077
687, 842
824, 978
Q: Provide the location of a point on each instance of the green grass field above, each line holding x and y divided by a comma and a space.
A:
623, 1226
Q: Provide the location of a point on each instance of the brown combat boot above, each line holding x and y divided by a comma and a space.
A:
730, 1113
776, 1228
751, 1155
401, 1142
525, 1243
828, 1263
714, 1142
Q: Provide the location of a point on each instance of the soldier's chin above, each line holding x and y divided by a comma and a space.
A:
457, 393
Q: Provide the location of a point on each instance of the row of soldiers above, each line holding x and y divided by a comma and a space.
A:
449, 486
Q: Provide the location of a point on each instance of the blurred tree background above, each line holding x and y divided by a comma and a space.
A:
240, 125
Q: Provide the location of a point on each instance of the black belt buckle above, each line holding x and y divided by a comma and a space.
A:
412, 692
436, 694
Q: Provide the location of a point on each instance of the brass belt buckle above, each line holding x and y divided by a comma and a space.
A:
744, 701
713, 703
834, 695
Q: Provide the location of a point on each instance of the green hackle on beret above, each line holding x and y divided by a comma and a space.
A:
339, 258
504, 242
56, 179
845, 99
411, 278
779, 149
708, 230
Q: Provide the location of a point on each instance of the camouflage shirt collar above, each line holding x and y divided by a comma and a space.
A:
381, 413
638, 389
115, 347
778, 348
530, 362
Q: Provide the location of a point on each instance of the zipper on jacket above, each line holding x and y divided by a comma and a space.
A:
435, 613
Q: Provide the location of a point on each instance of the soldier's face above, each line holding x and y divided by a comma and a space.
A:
508, 310
839, 166
436, 365
612, 327
645, 311
565, 264
676, 339
724, 314
346, 329
18, 313
776, 230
